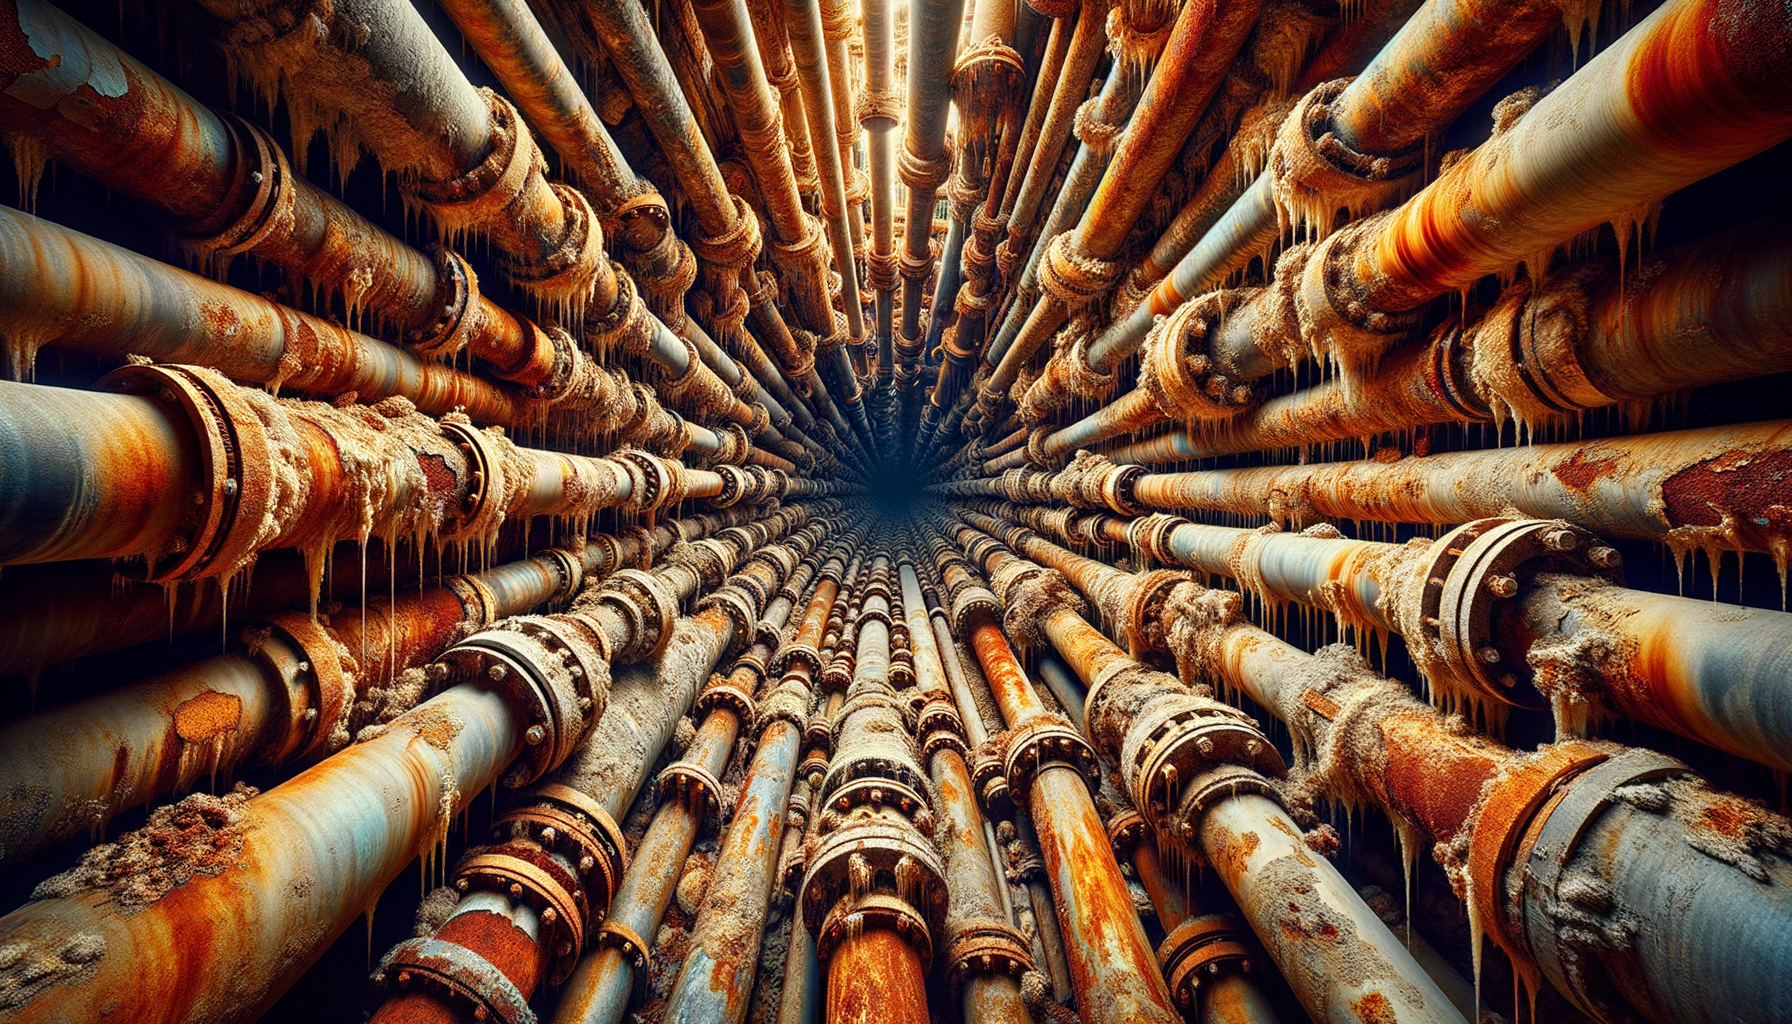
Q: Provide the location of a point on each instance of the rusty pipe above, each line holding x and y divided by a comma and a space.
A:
558, 857
1077, 268
1701, 313
987, 954
1385, 113
934, 27
1211, 793
878, 115
227, 457
1672, 486
1513, 834
288, 883
1105, 943
839, 21
715, 980
810, 46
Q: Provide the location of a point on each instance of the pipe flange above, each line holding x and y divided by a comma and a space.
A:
457, 308
720, 694
1500, 821
1208, 946
791, 655
1049, 739
269, 206
740, 609
1565, 824
650, 481
1149, 536
550, 671
478, 602
238, 486
788, 702
646, 600
696, 788
1126, 831
569, 576
574, 838
734, 484
873, 857
332, 689
1471, 571
969, 601
481, 510
874, 911
1214, 785
528, 873
604, 874
457, 973
613, 934
1182, 383
641, 539
1179, 737
1313, 172
984, 948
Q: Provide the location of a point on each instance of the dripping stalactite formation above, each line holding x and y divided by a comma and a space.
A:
896, 511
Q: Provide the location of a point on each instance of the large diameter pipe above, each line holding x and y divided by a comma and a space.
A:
1672, 486
934, 27
294, 867
1692, 89
63, 288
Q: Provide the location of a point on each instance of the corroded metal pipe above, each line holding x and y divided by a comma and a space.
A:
531, 898
291, 695
272, 877
1510, 611
1077, 268
924, 165
1385, 113
1701, 313
1543, 826
874, 894
985, 953
1107, 948
1209, 796
238, 472
715, 981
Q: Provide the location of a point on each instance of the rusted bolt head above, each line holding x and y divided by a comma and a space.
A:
1560, 540
1605, 558
587, 862
404, 977
1502, 586
460, 884
480, 1013
1489, 654
516, 891
304, 666
563, 949
255, 177
496, 673
549, 916
436, 672
535, 735
1187, 829
230, 487
198, 497
1213, 967
548, 834
1205, 746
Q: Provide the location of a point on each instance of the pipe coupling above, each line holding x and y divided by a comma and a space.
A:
883, 871
458, 976
1313, 173
1041, 743
1204, 948
1450, 597
1181, 379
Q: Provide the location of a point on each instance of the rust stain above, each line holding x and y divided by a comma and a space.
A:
1749, 485
1374, 1008
1581, 473
207, 716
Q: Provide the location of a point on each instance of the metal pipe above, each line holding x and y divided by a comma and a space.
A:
236, 455
809, 45
1107, 949
924, 165
1385, 112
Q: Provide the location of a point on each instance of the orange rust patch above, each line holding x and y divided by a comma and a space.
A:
1579, 473
1374, 1008
1250, 843
207, 716
436, 727
1748, 485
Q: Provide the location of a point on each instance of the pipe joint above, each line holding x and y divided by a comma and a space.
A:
1202, 949
986, 948
1314, 173
881, 870
1045, 742
268, 209
1453, 590
1183, 382
547, 668
1073, 278
457, 975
